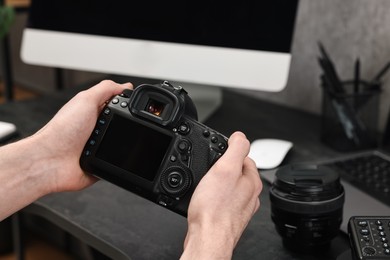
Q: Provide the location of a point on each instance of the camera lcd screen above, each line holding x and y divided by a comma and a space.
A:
133, 147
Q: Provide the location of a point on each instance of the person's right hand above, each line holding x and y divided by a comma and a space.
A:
62, 139
223, 203
49, 160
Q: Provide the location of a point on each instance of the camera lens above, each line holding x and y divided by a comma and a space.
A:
154, 107
307, 206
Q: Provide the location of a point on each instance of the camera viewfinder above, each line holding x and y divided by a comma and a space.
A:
155, 107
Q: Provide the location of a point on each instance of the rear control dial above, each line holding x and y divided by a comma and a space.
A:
175, 181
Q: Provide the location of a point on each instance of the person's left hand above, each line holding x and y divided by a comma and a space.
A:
63, 138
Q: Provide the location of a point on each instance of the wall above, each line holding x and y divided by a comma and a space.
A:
348, 29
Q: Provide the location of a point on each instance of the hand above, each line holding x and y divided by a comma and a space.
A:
64, 137
223, 203
48, 161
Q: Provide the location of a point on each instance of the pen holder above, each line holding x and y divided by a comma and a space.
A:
350, 119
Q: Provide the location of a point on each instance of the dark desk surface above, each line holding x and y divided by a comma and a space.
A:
123, 226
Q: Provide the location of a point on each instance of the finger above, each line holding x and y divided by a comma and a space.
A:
250, 163
106, 89
253, 178
128, 85
237, 151
257, 206
251, 169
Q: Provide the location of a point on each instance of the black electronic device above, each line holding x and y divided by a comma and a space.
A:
369, 172
369, 237
239, 44
148, 141
307, 206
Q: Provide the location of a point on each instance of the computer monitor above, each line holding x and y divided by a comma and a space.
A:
242, 44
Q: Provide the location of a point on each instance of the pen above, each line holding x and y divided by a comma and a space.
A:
328, 82
330, 70
353, 128
356, 83
356, 77
351, 124
334, 85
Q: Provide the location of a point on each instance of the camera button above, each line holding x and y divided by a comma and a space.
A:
362, 223
173, 158
92, 142
124, 104
115, 101
107, 111
369, 251
183, 146
126, 93
222, 146
184, 128
206, 133
214, 139
164, 201
175, 179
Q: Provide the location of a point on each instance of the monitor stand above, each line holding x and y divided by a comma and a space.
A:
207, 99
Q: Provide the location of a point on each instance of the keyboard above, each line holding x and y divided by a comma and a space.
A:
367, 172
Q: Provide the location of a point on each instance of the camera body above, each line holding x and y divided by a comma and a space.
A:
148, 141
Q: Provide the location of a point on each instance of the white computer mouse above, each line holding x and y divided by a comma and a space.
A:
269, 153
6, 129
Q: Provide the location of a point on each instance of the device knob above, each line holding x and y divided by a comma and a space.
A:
175, 181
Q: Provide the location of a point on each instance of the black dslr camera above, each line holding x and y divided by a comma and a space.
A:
148, 141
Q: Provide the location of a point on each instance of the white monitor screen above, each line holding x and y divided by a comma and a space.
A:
243, 44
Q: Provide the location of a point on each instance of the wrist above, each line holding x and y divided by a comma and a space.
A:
32, 163
23, 175
208, 243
